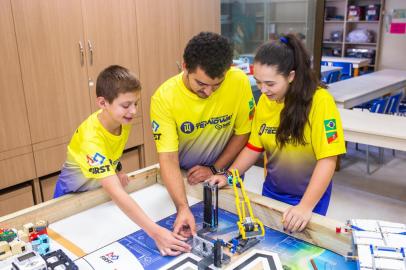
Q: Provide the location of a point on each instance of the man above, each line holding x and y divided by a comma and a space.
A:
201, 119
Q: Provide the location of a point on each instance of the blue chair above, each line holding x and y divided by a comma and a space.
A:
379, 105
332, 77
346, 72
393, 103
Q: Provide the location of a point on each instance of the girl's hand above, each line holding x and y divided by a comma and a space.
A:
295, 218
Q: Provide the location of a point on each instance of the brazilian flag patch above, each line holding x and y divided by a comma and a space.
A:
331, 130
251, 105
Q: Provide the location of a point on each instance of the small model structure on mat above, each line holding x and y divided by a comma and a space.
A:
379, 245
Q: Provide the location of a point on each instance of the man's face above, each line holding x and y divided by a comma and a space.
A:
201, 84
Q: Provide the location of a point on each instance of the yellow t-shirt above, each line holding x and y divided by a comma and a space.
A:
93, 154
289, 170
197, 128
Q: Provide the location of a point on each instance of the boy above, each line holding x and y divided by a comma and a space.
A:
96, 147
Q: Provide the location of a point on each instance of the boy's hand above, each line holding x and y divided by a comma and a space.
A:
169, 243
123, 179
198, 174
295, 218
185, 223
220, 180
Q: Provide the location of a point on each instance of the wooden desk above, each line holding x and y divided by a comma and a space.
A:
382, 130
356, 62
354, 91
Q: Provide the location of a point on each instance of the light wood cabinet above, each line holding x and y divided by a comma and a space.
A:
197, 16
164, 28
50, 37
110, 28
14, 130
52, 52
110, 37
63, 47
131, 160
15, 200
48, 187
159, 55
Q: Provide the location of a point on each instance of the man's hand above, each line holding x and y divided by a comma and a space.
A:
169, 243
295, 218
198, 174
220, 180
123, 179
185, 223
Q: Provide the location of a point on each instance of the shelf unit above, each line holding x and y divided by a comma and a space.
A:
340, 23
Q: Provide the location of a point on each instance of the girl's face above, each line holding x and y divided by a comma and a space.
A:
271, 83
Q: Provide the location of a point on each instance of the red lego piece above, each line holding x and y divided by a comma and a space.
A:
44, 231
33, 236
338, 229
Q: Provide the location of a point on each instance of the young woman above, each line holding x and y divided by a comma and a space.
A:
298, 126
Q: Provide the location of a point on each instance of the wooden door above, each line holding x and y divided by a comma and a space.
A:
50, 37
159, 50
111, 37
197, 16
14, 130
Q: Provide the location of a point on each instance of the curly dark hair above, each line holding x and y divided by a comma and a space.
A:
211, 52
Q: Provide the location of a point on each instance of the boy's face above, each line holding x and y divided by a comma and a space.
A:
123, 108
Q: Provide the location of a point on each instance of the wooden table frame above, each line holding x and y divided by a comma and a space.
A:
321, 231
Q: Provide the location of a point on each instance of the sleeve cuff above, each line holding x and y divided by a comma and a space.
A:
254, 148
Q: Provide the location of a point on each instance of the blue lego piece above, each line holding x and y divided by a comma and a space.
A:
44, 238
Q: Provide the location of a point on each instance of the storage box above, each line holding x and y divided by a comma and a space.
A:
372, 13
355, 13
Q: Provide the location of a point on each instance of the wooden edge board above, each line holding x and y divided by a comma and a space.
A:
71, 204
321, 230
66, 243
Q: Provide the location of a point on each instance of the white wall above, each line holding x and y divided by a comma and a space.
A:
393, 46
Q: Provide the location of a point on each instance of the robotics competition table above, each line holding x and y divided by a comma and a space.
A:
102, 237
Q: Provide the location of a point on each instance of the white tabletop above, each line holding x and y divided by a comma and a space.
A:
106, 223
357, 90
356, 62
325, 70
374, 128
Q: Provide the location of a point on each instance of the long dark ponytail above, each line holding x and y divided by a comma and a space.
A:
289, 54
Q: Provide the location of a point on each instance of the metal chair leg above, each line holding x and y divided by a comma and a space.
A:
381, 150
367, 152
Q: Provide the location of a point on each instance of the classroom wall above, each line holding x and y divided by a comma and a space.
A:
393, 46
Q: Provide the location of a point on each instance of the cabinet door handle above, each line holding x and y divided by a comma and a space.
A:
89, 44
81, 53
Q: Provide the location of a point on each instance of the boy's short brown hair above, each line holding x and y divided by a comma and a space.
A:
115, 80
